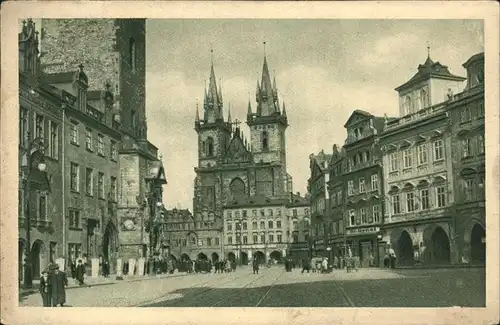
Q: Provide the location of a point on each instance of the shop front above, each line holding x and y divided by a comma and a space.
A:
319, 248
364, 244
298, 252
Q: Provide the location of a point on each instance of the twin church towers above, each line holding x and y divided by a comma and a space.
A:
231, 166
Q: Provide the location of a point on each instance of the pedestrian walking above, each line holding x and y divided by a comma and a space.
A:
324, 265
57, 282
45, 289
306, 266
73, 269
392, 258
80, 272
105, 268
255, 264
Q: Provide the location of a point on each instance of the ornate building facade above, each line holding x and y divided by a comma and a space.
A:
337, 193
231, 166
419, 219
110, 176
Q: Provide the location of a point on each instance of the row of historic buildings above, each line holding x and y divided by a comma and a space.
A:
243, 203
414, 183
83, 117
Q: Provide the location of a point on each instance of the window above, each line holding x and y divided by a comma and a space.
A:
341, 226
424, 198
237, 214
407, 106
75, 251
229, 214
229, 226
374, 182
361, 185
217, 242
262, 225
339, 197
112, 150
230, 240
100, 185
422, 154
132, 54
113, 189
438, 150
244, 225
295, 238
306, 211
75, 177
262, 239
441, 196
270, 212
480, 143
255, 239
352, 217
271, 238
254, 213
367, 156
244, 212
363, 215
278, 212
410, 202
42, 207
295, 225
100, 144
53, 141
200, 242
133, 118
469, 189
39, 127
254, 225
376, 213
423, 99
245, 240
265, 141
407, 158
465, 116
238, 240
466, 150
480, 110
350, 188
394, 161
270, 224
209, 241
74, 219
396, 204
294, 212
262, 213
278, 224
23, 127
88, 139
89, 184
74, 133
279, 238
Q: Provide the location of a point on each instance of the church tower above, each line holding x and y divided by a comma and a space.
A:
268, 141
213, 132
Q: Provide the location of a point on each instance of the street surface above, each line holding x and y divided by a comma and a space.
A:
273, 287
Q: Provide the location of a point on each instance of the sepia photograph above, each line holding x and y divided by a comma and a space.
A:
251, 162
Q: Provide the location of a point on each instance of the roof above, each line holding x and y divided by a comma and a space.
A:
156, 171
179, 213
474, 58
357, 112
59, 77
297, 200
322, 160
256, 201
430, 69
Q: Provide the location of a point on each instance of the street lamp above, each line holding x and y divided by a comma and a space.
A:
34, 157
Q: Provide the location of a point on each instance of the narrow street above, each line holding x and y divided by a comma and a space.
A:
273, 287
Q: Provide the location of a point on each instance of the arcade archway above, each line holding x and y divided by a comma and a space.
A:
244, 258
405, 246
231, 256
260, 257
478, 244
172, 257
202, 257
215, 257
276, 255
185, 258
110, 243
38, 258
440, 246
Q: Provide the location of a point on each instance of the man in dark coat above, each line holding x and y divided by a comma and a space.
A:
57, 283
306, 265
255, 265
45, 289
80, 272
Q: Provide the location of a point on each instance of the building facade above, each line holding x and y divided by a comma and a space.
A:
232, 166
40, 141
189, 237
468, 155
418, 175
264, 228
337, 193
363, 184
317, 186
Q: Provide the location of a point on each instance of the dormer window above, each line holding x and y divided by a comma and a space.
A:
407, 108
423, 99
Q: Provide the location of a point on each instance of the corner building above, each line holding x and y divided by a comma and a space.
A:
232, 166
419, 219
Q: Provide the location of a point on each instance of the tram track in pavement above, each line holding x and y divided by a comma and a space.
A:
176, 302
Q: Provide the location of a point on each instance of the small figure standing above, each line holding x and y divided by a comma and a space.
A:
57, 283
80, 272
45, 289
255, 266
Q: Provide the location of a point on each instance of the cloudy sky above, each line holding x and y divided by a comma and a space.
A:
324, 70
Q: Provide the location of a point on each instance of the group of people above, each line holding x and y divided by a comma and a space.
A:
53, 285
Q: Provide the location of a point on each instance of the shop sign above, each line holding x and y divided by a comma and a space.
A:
362, 231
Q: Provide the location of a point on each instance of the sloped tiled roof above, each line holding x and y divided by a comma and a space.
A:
430, 69
255, 200
297, 200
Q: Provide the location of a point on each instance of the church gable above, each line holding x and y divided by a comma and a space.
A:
236, 152
356, 117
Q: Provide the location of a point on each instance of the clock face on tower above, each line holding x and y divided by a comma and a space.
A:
129, 224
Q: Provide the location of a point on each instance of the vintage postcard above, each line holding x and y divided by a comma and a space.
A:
315, 163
